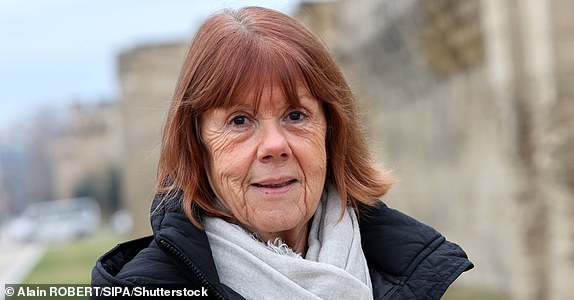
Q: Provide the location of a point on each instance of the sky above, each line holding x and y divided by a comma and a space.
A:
58, 52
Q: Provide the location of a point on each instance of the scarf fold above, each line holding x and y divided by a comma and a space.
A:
333, 268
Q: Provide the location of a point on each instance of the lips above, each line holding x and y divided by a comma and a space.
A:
274, 183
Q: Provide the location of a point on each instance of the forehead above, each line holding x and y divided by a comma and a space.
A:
273, 95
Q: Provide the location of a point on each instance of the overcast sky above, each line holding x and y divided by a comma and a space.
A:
57, 52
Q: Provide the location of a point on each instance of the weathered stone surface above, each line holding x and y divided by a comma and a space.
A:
147, 79
470, 104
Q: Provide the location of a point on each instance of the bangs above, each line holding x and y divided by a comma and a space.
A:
254, 65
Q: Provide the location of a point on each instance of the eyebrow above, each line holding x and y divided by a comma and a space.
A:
303, 95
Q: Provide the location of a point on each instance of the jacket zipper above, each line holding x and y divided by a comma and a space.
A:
192, 267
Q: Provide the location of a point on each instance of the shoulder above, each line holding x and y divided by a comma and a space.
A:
408, 258
152, 266
137, 262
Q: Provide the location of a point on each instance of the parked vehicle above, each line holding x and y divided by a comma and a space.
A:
57, 220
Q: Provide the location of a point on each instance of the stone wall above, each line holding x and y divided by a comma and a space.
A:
89, 146
557, 142
469, 103
147, 79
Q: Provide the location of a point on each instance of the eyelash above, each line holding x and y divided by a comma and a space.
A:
300, 114
244, 119
238, 117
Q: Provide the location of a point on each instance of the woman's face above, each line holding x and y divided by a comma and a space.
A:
268, 167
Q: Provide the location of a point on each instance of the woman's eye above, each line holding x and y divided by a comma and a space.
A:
239, 120
296, 116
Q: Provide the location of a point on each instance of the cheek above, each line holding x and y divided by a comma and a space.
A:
310, 149
313, 160
229, 166
228, 176
313, 143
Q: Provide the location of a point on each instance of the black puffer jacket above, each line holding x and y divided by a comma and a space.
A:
407, 259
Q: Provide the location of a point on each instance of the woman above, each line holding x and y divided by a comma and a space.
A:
265, 185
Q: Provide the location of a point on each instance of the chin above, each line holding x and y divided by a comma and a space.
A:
274, 223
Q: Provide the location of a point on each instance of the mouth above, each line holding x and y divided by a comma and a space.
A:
275, 186
274, 183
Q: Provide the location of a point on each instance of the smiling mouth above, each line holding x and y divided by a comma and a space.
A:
275, 185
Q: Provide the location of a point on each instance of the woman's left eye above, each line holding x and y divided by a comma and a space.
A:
239, 120
295, 116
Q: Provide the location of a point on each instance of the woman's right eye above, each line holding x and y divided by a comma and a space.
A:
238, 120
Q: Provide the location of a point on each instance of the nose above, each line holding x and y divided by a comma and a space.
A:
273, 145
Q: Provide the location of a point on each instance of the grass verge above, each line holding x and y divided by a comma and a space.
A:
71, 262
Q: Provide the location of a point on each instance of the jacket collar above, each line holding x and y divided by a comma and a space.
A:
171, 226
408, 255
393, 240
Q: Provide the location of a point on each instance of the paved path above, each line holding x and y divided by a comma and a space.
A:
16, 261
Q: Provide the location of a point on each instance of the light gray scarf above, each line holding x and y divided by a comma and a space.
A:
333, 268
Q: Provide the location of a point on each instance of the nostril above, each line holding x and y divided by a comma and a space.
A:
281, 156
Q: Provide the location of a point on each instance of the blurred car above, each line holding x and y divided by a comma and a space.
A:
56, 220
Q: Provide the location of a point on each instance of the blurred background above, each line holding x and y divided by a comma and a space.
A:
468, 102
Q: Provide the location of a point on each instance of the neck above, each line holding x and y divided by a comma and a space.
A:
296, 238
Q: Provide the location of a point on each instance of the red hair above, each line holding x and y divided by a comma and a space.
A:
236, 52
